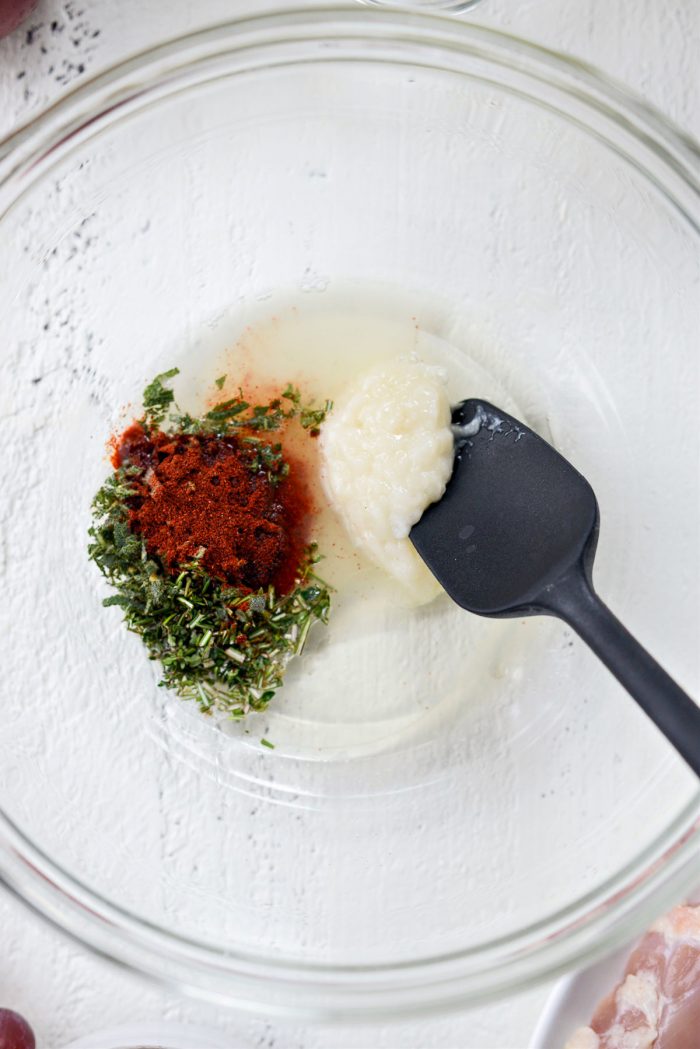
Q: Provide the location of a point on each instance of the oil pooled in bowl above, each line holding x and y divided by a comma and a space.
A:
387, 676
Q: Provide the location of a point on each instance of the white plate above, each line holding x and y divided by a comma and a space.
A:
574, 999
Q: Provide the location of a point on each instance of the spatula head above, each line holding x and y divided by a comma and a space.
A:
515, 516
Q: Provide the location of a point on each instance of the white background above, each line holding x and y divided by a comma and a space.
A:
651, 45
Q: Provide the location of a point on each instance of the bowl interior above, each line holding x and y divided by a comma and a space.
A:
438, 781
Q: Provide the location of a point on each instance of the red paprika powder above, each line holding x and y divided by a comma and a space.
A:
202, 495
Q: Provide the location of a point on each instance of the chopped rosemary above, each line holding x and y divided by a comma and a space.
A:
157, 398
224, 647
233, 416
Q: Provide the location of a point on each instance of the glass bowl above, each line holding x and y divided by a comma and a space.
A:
455, 808
458, 6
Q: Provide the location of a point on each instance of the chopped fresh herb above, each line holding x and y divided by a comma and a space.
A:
236, 416
224, 647
221, 647
157, 398
220, 381
312, 418
266, 743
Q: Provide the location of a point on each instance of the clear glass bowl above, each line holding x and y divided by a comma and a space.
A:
458, 6
441, 822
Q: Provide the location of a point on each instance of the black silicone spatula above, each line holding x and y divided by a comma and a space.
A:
515, 535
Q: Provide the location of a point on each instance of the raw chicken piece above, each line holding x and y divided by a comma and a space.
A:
584, 1038
657, 1005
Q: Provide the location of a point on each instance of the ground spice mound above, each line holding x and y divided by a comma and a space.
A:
199, 493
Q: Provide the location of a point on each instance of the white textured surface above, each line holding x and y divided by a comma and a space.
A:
653, 47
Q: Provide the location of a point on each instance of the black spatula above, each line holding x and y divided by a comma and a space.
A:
515, 535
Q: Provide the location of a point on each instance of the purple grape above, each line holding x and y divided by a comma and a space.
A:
15, 1032
12, 14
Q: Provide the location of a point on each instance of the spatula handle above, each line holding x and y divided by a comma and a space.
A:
669, 707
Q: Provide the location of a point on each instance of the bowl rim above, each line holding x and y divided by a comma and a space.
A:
591, 925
